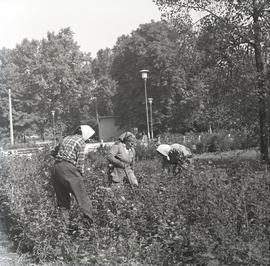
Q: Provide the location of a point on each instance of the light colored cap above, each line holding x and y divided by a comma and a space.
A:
164, 149
126, 136
87, 132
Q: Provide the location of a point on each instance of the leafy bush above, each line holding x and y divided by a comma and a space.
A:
97, 160
214, 142
145, 152
212, 215
225, 141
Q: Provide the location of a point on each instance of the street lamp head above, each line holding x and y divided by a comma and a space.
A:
53, 112
144, 73
150, 100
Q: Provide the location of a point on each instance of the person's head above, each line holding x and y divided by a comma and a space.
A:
164, 149
135, 130
85, 131
128, 138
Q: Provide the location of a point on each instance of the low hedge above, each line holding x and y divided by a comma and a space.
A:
214, 142
207, 216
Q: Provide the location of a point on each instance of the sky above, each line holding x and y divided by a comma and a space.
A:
96, 23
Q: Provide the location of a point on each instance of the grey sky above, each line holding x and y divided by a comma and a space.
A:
96, 23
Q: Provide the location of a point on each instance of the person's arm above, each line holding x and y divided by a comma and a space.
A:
80, 156
55, 150
112, 157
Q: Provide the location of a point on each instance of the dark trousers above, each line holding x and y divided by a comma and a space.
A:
67, 179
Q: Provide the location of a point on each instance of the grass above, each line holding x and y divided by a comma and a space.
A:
251, 154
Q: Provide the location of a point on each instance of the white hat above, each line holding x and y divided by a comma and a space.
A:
87, 132
164, 149
127, 135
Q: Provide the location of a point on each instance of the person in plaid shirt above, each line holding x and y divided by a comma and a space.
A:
68, 170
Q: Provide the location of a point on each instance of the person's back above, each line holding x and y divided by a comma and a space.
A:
71, 150
179, 147
68, 170
180, 156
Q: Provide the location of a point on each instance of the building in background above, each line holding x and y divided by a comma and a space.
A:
108, 128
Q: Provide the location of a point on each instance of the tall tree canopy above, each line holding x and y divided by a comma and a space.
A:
45, 76
245, 22
105, 86
154, 47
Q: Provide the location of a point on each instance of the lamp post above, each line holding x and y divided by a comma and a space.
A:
10, 117
144, 77
150, 100
96, 110
94, 98
53, 114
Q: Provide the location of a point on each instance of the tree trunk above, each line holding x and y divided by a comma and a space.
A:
261, 86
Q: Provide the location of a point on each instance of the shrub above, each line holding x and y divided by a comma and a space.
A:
221, 140
97, 159
145, 152
207, 216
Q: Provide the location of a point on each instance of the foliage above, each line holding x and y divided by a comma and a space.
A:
145, 152
97, 159
199, 77
217, 141
105, 86
154, 47
214, 214
244, 27
46, 75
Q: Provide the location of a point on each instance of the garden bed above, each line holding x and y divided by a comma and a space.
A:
211, 215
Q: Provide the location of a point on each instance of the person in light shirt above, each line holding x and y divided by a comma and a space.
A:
121, 158
177, 156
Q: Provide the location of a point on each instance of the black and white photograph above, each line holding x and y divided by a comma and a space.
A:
134, 133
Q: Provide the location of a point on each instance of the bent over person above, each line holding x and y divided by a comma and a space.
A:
68, 171
121, 159
176, 155
163, 150
180, 157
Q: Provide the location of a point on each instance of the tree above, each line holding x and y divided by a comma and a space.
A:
228, 72
7, 77
154, 47
51, 74
105, 86
247, 21
26, 100
66, 79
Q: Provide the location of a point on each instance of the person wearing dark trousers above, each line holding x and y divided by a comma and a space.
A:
68, 170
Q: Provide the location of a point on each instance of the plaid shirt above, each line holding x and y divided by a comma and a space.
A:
72, 150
